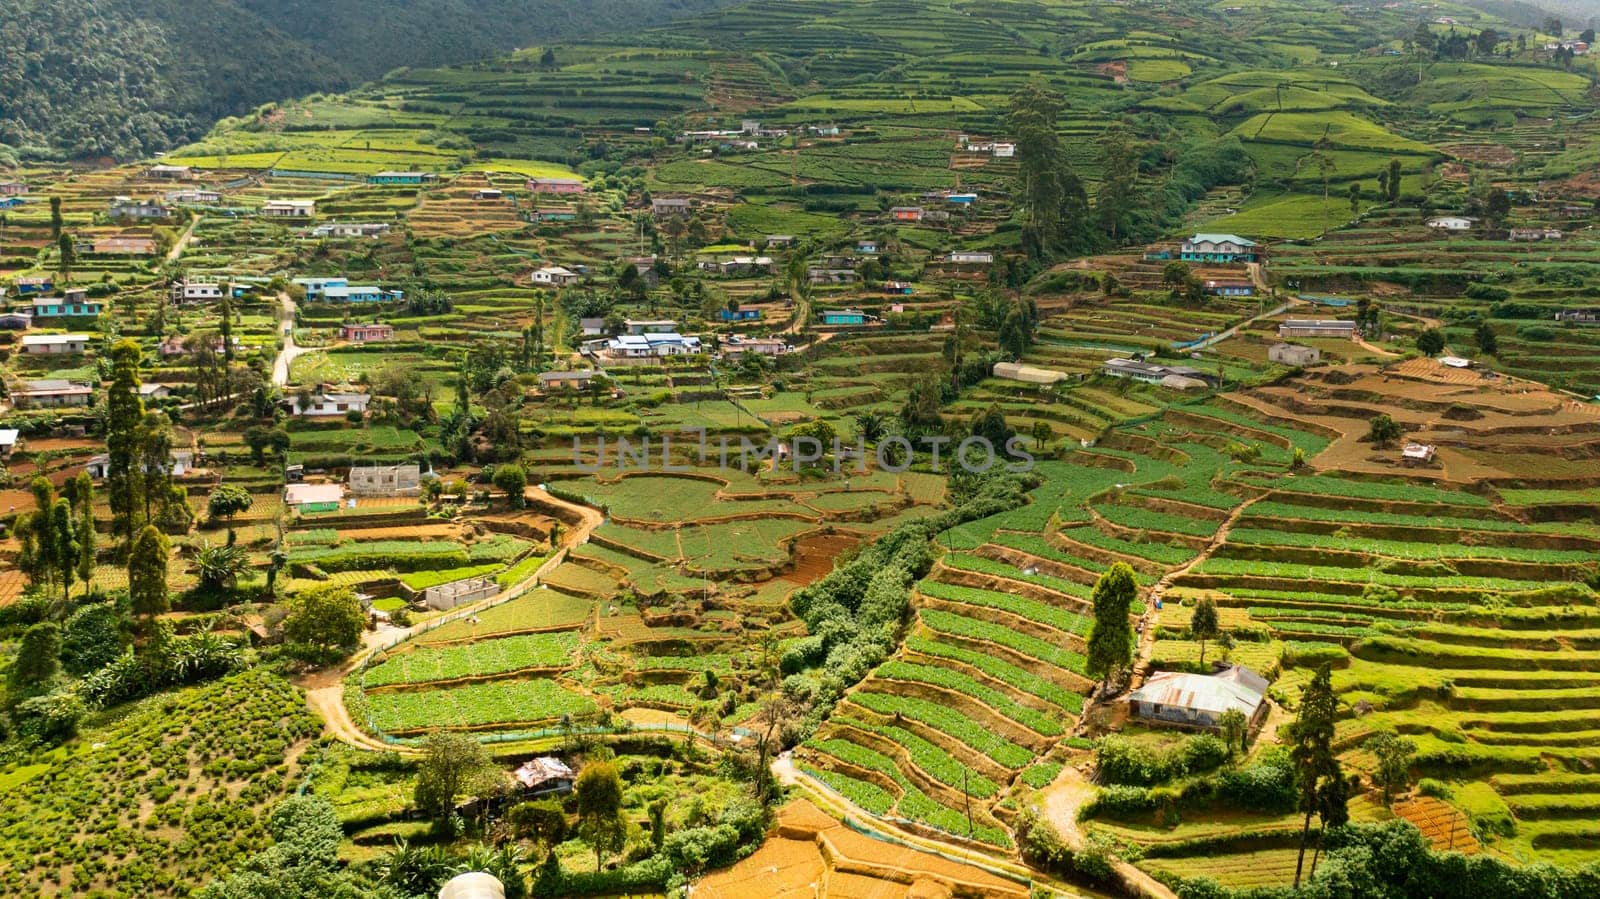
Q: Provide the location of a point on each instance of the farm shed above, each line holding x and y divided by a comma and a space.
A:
170, 172
556, 276
1416, 454
447, 596
15, 321
1016, 371
544, 775
565, 380
1451, 223
289, 209
843, 317
322, 405
75, 302
50, 393
1294, 354
1316, 327
1198, 700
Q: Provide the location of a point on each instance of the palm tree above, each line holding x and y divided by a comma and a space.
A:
219, 567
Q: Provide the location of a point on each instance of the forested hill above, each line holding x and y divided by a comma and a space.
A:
126, 78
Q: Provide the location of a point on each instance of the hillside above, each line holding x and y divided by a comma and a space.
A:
125, 79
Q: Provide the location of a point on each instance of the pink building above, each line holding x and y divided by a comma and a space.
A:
366, 333
555, 185
12, 188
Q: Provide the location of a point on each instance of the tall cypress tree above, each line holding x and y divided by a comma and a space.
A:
124, 419
1317, 774
1111, 636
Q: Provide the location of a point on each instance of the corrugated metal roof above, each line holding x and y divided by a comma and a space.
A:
1237, 688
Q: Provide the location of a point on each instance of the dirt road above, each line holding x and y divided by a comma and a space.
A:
290, 351
325, 689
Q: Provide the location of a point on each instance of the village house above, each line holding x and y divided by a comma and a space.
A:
961, 199
555, 276
592, 327
1003, 150
1225, 248
289, 209
671, 207
170, 172
150, 391
340, 290
326, 405
1451, 223
898, 288
649, 326
907, 213
16, 321
488, 193
1293, 354
565, 380
1578, 315
315, 286
1525, 234
193, 197
1198, 701
123, 246
760, 346
74, 301
1305, 327
351, 229
739, 266
780, 240
831, 276
34, 284
386, 480
844, 317
190, 290
305, 498
1228, 288
51, 393
745, 313
969, 258
403, 178
867, 247
129, 208
51, 344
368, 333
177, 345
654, 344
12, 188
1180, 377
179, 463
8, 441
555, 185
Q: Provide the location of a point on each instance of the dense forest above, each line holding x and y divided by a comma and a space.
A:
126, 78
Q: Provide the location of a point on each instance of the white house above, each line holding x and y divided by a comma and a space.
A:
1451, 223
555, 276
50, 393
8, 441
324, 405
1305, 327
1199, 700
386, 480
289, 209
351, 229
179, 463
970, 258
45, 344
191, 291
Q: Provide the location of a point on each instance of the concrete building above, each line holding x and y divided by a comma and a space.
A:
1451, 223
49, 344
1027, 374
326, 405
305, 498
1225, 248
289, 209
565, 380
386, 480
555, 185
1294, 354
351, 229
51, 393
369, 333
555, 276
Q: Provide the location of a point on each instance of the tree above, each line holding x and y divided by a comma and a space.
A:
124, 418
452, 764
56, 221
1394, 179
147, 574
1203, 624
513, 481
1484, 337
1311, 752
1486, 41
1394, 755
1115, 201
1384, 431
66, 256
1110, 647
1355, 198
1042, 435
225, 319
1052, 200
1235, 727
219, 565
64, 545
82, 496
326, 618
1496, 206
37, 662
598, 791
1430, 342
227, 501
870, 426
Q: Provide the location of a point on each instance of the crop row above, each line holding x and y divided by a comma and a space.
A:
477, 705
947, 721
1150, 520
1327, 573
930, 759
1005, 672
1405, 549
487, 657
949, 679
982, 565
1033, 647
1021, 606
1162, 553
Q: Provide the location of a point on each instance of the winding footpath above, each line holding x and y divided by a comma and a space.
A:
325, 689
291, 350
